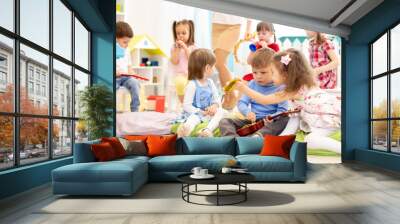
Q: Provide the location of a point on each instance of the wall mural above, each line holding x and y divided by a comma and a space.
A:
207, 74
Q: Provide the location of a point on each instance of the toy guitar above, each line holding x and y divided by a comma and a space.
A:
135, 76
251, 128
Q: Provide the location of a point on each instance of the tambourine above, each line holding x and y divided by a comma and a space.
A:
249, 40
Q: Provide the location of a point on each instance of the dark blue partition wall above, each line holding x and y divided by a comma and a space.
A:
99, 15
356, 88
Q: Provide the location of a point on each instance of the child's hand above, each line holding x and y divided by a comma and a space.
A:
240, 85
212, 110
268, 119
181, 44
263, 44
251, 116
204, 112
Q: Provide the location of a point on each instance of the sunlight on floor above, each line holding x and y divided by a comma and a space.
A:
324, 159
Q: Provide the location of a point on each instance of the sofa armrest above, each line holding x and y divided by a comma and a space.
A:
83, 152
298, 155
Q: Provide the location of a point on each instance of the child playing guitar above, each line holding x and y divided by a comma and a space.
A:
253, 111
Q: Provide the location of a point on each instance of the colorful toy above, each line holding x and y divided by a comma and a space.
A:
136, 77
255, 46
248, 77
230, 85
156, 103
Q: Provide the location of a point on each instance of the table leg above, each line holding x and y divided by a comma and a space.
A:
182, 190
217, 194
245, 193
188, 190
196, 187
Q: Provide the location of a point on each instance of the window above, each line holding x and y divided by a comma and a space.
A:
30, 73
81, 45
35, 21
385, 97
47, 76
44, 91
3, 61
30, 87
37, 89
3, 71
6, 142
62, 29
44, 77
7, 14
3, 78
62, 137
81, 81
6, 74
62, 74
37, 74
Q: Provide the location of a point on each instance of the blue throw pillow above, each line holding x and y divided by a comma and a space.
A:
197, 145
249, 145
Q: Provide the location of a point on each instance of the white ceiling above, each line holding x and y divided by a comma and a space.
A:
317, 15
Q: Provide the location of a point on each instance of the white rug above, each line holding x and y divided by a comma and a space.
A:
166, 198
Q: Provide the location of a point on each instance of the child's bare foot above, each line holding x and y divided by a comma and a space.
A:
183, 131
205, 132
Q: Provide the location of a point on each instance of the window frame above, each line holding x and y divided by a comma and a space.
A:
16, 114
388, 74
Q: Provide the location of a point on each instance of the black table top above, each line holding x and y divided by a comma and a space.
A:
220, 178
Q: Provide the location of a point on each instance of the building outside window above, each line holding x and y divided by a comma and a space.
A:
30, 72
30, 87
3, 71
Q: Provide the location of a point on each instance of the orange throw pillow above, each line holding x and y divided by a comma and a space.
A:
277, 145
116, 145
161, 145
136, 137
103, 152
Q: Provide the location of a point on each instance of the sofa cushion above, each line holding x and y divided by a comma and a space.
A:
116, 145
103, 152
185, 163
197, 146
134, 147
161, 145
112, 171
249, 145
257, 163
129, 159
277, 145
136, 137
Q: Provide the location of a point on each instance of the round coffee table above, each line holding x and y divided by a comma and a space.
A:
238, 179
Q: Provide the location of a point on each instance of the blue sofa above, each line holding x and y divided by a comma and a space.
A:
125, 176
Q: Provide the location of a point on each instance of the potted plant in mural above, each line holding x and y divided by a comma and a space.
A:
96, 103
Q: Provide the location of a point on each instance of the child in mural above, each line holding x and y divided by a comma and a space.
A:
201, 102
320, 112
323, 59
266, 39
183, 32
124, 34
250, 109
